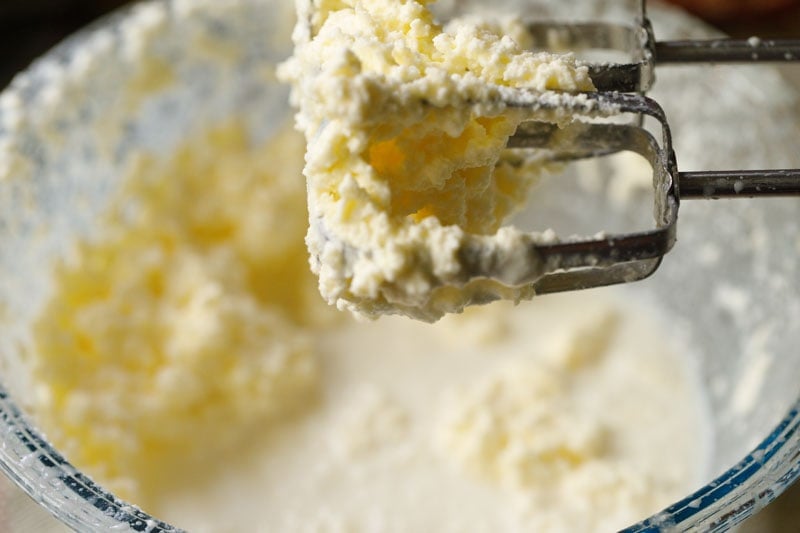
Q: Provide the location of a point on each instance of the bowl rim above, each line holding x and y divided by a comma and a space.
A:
734, 496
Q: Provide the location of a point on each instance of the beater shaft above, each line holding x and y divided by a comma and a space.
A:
739, 183
727, 51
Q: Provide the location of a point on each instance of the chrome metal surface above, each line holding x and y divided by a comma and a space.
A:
739, 184
606, 260
630, 257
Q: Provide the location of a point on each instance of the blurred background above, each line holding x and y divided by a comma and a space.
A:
28, 28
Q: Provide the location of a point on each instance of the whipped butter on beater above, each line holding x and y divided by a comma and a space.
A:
405, 128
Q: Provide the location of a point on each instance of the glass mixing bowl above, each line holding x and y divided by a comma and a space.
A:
69, 125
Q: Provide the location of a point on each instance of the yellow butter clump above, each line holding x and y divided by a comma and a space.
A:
185, 326
527, 428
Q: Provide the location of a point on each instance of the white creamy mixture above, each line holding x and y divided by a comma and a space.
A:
476, 425
406, 126
175, 373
